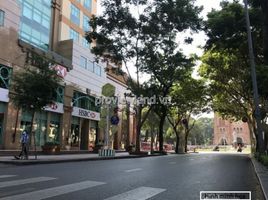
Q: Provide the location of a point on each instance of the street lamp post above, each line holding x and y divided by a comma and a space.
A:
107, 126
254, 82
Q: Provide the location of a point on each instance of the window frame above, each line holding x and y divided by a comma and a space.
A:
86, 26
2, 17
88, 5
75, 15
83, 59
74, 33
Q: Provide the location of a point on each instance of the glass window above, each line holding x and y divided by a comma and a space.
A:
75, 15
74, 35
35, 22
38, 3
85, 101
46, 2
87, 4
27, 10
36, 34
45, 21
41, 135
86, 26
37, 16
97, 70
83, 62
54, 128
58, 96
2, 18
90, 66
75, 132
85, 43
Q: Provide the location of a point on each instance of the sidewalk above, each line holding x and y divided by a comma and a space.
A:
262, 174
46, 159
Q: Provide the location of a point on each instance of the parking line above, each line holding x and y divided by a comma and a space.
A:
133, 170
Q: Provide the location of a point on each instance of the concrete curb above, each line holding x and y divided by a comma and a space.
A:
35, 162
253, 161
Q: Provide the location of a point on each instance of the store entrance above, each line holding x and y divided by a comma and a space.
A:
84, 134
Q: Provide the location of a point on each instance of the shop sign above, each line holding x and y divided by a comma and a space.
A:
55, 107
4, 95
61, 71
83, 113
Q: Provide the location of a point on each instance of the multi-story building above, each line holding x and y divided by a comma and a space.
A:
228, 132
54, 29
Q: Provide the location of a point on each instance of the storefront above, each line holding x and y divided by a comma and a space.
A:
84, 128
5, 74
47, 124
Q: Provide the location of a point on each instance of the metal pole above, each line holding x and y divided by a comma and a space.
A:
107, 127
254, 82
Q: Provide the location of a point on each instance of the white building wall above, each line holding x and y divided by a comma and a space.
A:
83, 78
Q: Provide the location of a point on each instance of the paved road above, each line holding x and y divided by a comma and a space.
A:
175, 177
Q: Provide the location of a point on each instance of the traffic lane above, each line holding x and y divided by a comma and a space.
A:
182, 176
184, 180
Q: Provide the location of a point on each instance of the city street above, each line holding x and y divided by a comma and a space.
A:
164, 178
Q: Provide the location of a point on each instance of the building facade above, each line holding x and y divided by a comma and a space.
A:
55, 29
228, 132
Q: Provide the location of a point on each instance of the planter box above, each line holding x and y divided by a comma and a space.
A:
51, 149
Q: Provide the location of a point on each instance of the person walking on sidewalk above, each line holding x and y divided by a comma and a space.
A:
24, 139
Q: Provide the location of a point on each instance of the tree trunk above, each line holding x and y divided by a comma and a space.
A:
152, 141
254, 128
186, 139
33, 134
127, 128
156, 139
161, 128
177, 143
146, 135
16, 124
138, 128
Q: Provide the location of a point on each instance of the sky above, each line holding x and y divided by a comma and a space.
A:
199, 38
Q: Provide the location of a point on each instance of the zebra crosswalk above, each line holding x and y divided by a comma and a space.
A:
139, 193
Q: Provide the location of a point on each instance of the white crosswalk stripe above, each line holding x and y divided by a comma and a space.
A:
4, 184
54, 191
7, 176
141, 193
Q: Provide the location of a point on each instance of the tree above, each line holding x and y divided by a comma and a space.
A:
143, 39
202, 132
225, 63
188, 98
263, 5
33, 87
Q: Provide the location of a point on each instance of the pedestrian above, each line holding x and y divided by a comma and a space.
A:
24, 140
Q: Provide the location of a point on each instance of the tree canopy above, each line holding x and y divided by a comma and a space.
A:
147, 40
